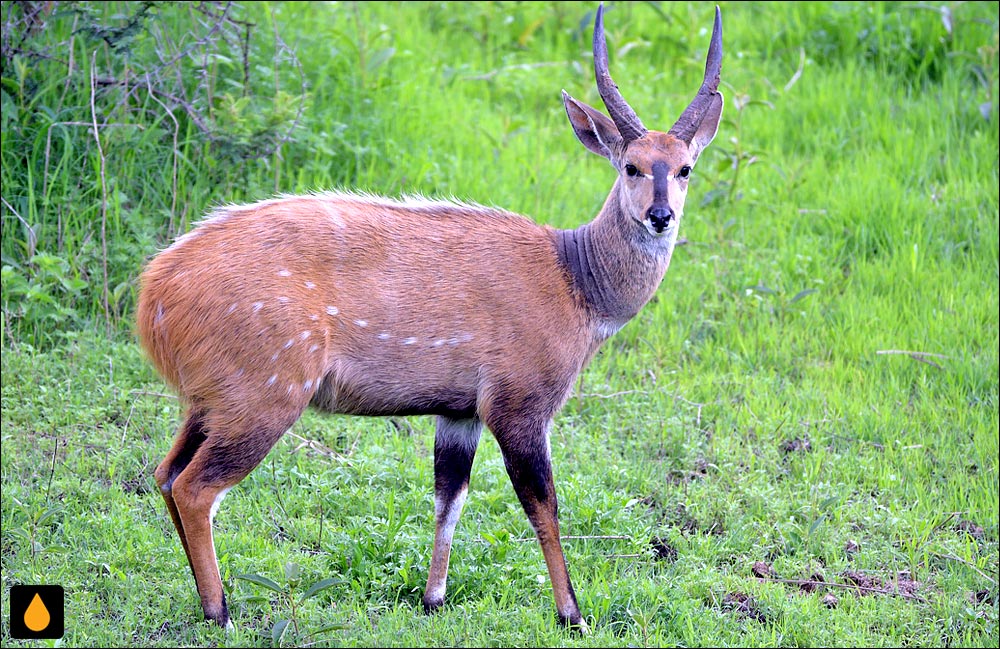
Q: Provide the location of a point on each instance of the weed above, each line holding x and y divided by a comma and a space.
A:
290, 597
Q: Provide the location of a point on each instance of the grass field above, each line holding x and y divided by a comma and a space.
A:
811, 397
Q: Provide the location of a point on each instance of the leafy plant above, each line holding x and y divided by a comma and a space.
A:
290, 597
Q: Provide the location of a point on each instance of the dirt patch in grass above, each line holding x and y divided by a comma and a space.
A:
686, 476
663, 550
796, 445
816, 582
744, 606
136, 486
874, 585
689, 524
975, 531
861, 583
983, 597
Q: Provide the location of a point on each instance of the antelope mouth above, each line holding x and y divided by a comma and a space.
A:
660, 230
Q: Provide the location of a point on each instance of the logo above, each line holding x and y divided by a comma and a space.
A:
36, 612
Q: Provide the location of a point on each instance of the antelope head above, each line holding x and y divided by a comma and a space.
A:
653, 167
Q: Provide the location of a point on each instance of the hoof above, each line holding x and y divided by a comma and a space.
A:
433, 604
219, 615
575, 623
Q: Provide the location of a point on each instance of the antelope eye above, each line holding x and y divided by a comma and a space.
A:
631, 170
684, 172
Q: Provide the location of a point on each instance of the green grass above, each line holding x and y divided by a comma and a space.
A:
747, 414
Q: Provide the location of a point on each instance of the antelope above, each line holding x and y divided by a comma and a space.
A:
362, 305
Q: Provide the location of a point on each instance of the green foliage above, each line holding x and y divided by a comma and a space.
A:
117, 117
290, 597
814, 387
41, 293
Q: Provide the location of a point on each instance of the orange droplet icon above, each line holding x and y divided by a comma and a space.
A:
37, 616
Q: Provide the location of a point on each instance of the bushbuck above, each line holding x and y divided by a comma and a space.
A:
362, 305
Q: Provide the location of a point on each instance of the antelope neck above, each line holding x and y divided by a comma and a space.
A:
578, 254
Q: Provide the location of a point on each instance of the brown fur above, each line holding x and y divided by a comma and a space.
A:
211, 314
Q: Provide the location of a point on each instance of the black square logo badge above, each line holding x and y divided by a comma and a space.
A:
36, 612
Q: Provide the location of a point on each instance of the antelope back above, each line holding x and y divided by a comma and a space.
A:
363, 305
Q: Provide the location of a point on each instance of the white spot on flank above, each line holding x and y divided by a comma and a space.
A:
305, 334
289, 343
275, 355
410, 341
274, 377
439, 342
313, 348
361, 323
332, 310
283, 299
314, 317
239, 373
284, 273
453, 341
310, 285
291, 388
308, 384
232, 307
385, 335
335, 217
257, 306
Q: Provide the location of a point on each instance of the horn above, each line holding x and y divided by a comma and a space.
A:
628, 123
689, 121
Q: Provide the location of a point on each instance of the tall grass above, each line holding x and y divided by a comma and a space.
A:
814, 386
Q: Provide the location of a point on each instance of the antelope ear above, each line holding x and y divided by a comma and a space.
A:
708, 127
597, 132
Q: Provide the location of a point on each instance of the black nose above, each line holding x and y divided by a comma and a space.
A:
660, 217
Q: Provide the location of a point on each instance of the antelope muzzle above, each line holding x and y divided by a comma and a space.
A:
660, 217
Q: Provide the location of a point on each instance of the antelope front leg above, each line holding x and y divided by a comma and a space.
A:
525, 451
455, 443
